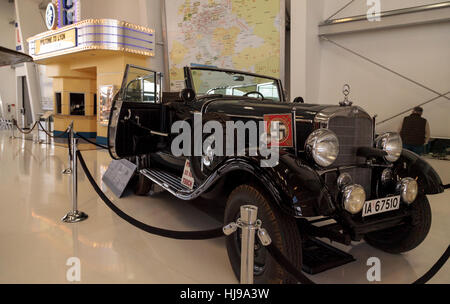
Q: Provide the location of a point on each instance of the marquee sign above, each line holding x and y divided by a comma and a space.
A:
60, 41
93, 34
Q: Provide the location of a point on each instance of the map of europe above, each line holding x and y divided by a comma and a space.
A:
235, 34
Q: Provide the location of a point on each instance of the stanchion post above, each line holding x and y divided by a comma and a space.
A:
74, 216
38, 140
12, 130
47, 125
248, 223
70, 134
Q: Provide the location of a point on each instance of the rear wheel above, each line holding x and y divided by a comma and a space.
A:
408, 236
281, 228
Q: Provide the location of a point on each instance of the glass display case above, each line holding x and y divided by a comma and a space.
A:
107, 93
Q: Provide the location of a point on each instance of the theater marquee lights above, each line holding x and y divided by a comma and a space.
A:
93, 34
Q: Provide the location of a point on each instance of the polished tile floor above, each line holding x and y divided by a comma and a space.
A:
35, 244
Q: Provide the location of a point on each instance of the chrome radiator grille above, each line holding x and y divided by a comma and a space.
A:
353, 133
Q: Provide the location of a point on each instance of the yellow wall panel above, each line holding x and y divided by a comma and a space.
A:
102, 131
85, 72
85, 124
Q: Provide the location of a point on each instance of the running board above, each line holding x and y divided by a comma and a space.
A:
172, 183
168, 181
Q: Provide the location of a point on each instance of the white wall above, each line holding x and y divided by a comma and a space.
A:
7, 39
420, 52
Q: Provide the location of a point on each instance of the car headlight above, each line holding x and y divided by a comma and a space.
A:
323, 146
354, 198
409, 189
392, 144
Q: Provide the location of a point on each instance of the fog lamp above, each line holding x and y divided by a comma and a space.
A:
409, 189
354, 197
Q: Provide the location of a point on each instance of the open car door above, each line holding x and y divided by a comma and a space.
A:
136, 114
10, 57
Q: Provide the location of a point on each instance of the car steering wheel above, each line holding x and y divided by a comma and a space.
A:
255, 92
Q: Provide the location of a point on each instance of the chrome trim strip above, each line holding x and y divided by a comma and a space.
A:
159, 134
246, 116
304, 120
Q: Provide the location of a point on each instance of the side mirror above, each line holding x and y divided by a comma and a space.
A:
299, 100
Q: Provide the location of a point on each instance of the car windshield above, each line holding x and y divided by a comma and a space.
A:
211, 82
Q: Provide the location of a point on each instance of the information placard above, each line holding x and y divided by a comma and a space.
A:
118, 176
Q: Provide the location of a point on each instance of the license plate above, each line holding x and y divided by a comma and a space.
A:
381, 205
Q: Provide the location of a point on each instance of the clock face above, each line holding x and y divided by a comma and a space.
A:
50, 16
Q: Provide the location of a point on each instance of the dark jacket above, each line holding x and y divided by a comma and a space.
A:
414, 130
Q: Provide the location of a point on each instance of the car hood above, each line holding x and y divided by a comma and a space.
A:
256, 109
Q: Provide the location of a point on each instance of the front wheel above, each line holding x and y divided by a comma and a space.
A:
281, 228
405, 238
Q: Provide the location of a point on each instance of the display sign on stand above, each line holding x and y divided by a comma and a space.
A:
118, 176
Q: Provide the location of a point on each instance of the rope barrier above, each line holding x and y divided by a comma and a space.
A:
435, 269
287, 265
23, 131
300, 277
178, 235
53, 136
91, 142
69, 145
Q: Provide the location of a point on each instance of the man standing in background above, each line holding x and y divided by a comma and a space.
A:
415, 132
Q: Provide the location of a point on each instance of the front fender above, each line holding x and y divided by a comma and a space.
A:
305, 187
416, 167
296, 188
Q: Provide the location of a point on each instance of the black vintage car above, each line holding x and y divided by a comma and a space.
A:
333, 179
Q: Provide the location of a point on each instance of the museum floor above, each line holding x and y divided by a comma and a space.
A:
35, 244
